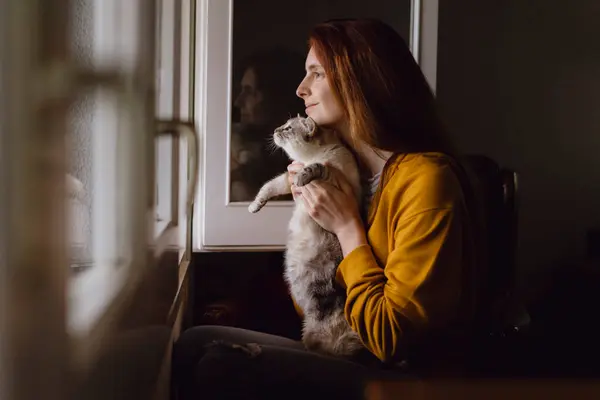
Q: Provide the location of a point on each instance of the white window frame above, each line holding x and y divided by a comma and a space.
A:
218, 223
185, 111
176, 157
166, 107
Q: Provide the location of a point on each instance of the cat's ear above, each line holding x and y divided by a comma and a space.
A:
311, 126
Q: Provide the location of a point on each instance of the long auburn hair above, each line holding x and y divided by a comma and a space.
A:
374, 76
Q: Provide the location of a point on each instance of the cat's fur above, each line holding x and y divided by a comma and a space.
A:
312, 253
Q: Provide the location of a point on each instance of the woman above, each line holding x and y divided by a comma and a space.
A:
408, 274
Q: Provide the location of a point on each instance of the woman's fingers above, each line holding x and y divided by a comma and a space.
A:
307, 196
296, 191
293, 168
316, 194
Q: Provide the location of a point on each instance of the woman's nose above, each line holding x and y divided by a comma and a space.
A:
302, 90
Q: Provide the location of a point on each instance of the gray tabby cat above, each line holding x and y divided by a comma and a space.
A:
312, 253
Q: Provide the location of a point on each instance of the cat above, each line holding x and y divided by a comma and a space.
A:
313, 254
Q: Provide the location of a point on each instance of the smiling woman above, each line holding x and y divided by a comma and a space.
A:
406, 278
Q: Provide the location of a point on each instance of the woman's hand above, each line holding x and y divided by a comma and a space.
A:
293, 169
334, 207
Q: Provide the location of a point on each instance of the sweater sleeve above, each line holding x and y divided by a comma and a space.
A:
416, 288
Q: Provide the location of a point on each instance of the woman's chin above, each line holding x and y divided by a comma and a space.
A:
315, 117
323, 123
320, 120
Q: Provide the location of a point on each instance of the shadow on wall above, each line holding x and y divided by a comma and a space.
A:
520, 82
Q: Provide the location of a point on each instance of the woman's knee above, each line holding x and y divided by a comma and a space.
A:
189, 349
209, 333
192, 345
207, 359
199, 336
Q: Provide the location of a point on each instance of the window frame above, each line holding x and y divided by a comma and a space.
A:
214, 214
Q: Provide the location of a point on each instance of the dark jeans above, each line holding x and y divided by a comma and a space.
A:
216, 362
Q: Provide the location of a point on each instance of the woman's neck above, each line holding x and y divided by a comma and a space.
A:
370, 159
373, 160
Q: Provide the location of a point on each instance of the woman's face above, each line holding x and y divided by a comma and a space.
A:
319, 100
250, 101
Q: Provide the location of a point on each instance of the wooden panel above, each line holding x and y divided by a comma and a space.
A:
244, 289
162, 389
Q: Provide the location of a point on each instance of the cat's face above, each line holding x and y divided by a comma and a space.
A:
299, 137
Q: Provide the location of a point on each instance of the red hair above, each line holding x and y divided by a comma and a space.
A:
376, 79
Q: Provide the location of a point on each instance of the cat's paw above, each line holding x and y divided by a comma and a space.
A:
302, 179
347, 345
256, 205
314, 342
309, 174
312, 345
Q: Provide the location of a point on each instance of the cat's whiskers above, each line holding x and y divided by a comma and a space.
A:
271, 147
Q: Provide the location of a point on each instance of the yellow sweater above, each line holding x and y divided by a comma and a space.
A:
409, 279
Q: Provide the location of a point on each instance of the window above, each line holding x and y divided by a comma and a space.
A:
110, 150
84, 176
132, 172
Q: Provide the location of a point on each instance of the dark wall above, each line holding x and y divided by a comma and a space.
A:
520, 81
256, 20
